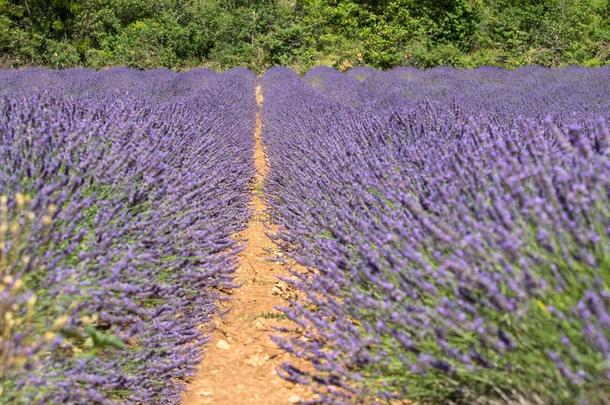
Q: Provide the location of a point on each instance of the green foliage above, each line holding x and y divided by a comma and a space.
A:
303, 33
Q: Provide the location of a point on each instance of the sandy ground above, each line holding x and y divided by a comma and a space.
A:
239, 363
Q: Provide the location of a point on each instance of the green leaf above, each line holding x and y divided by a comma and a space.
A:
103, 340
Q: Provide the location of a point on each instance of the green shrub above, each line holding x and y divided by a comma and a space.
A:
61, 54
263, 33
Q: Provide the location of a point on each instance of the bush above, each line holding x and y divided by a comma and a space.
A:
61, 54
264, 33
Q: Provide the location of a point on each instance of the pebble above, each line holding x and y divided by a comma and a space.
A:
205, 393
223, 345
257, 360
294, 399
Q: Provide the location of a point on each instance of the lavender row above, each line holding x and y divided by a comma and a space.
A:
458, 239
486, 93
120, 193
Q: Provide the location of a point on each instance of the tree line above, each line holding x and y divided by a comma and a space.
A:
258, 34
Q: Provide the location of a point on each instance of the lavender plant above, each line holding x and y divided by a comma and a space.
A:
21, 344
459, 238
140, 179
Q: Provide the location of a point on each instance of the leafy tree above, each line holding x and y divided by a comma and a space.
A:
303, 33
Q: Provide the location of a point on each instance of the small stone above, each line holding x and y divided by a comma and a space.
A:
205, 393
260, 325
294, 399
223, 345
284, 290
279, 288
257, 360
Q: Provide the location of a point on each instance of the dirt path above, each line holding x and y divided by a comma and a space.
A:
239, 363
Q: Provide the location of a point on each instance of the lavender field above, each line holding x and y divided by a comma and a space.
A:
452, 229
120, 191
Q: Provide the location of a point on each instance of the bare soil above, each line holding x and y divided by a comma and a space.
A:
240, 362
